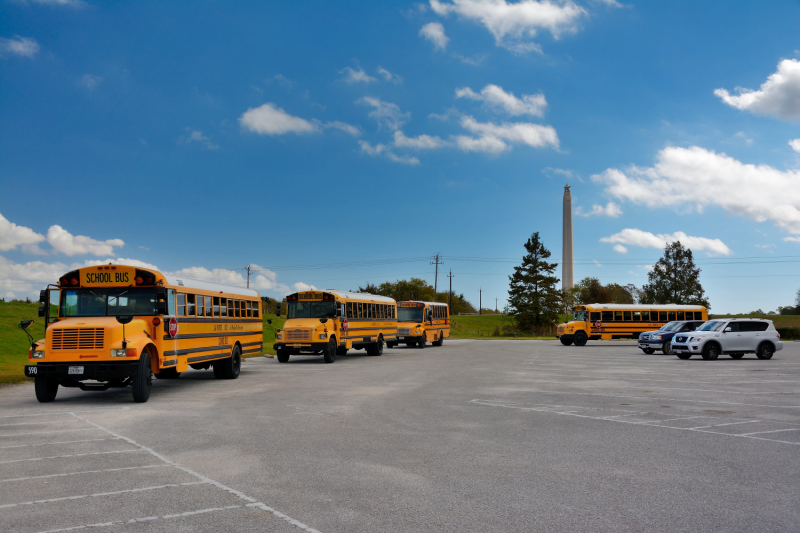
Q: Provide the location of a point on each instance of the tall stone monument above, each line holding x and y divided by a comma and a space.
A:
567, 272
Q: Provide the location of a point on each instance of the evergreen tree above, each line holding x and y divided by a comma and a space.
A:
533, 298
674, 279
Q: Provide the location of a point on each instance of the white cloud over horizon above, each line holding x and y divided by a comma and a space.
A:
356, 76
268, 119
389, 76
386, 114
695, 178
779, 96
493, 138
645, 239
19, 46
513, 25
795, 145
434, 32
383, 150
494, 96
422, 142
609, 210
61, 240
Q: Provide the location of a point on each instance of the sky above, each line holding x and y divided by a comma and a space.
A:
332, 144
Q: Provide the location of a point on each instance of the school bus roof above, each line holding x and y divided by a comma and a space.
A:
426, 303
634, 307
358, 296
189, 283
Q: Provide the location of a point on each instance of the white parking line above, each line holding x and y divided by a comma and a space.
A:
760, 432
47, 432
64, 456
30, 423
651, 398
726, 424
162, 465
53, 443
54, 413
100, 494
143, 519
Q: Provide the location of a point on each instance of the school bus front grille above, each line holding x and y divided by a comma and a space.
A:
403, 331
298, 334
78, 339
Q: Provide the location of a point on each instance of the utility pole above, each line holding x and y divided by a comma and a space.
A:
450, 298
248, 275
436, 279
495, 305
480, 301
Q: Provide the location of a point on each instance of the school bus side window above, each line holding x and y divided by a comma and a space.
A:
243, 308
181, 304
349, 307
200, 306
662, 316
249, 309
190, 307
255, 309
209, 306
608, 316
216, 305
230, 307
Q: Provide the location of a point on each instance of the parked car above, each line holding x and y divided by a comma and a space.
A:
650, 341
732, 336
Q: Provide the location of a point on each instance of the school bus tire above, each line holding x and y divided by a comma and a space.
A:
46, 389
421, 341
376, 348
580, 339
143, 380
168, 373
283, 356
440, 340
329, 353
229, 368
565, 341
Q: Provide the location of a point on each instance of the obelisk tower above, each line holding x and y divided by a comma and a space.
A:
567, 272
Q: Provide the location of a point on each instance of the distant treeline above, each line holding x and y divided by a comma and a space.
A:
418, 289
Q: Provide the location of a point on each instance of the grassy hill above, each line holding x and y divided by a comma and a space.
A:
483, 326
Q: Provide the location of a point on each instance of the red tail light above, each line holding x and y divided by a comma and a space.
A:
74, 281
156, 321
30, 353
139, 280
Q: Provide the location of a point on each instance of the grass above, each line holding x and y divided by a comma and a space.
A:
483, 327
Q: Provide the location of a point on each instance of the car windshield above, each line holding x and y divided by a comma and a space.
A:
326, 309
670, 326
713, 325
409, 314
107, 302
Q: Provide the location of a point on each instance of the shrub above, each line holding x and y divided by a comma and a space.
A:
789, 333
496, 331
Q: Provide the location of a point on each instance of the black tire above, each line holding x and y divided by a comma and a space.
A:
580, 339
684, 355
377, 348
667, 349
168, 373
711, 351
565, 342
440, 340
283, 356
736, 355
232, 365
219, 369
421, 341
143, 379
649, 351
765, 350
46, 389
329, 353
341, 351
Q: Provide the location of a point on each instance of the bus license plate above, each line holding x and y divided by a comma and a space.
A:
75, 370
400, 338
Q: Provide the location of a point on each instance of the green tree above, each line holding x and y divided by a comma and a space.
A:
591, 291
674, 279
418, 289
533, 298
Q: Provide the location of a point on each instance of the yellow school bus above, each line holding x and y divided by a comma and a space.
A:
622, 321
330, 322
421, 322
119, 325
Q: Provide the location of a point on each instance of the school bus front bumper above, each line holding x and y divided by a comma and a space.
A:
304, 346
79, 371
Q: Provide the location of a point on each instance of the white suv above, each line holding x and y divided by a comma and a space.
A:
732, 336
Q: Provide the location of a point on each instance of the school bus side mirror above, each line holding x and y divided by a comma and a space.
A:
25, 324
43, 296
269, 321
161, 300
42, 309
278, 310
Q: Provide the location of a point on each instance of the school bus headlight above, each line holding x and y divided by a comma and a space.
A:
323, 335
119, 353
278, 337
38, 354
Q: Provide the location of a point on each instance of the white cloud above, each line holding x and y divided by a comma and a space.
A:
19, 46
66, 243
12, 235
791, 239
743, 136
514, 24
495, 96
300, 286
197, 136
423, 142
387, 114
343, 126
610, 210
696, 177
645, 239
68, 3
779, 96
492, 136
356, 76
795, 144
434, 32
90, 81
382, 149
271, 120
388, 76
620, 249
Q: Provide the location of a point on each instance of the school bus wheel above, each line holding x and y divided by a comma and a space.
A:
580, 339
143, 379
376, 348
283, 356
440, 340
229, 368
329, 353
566, 341
46, 389
421, 341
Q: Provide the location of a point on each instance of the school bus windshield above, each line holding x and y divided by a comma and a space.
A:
108, 302
409, 314
580, 315
326, 309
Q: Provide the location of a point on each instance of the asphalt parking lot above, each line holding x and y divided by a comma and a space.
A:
472, 436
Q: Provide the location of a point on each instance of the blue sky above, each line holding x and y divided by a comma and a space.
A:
330, 144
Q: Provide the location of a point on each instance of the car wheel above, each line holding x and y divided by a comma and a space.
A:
737, 355
565, 342
765, 350
143, 379
649, 351
580, 339
667, 349
283, 356
711, 351
46, 389
329, 353
683, 355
